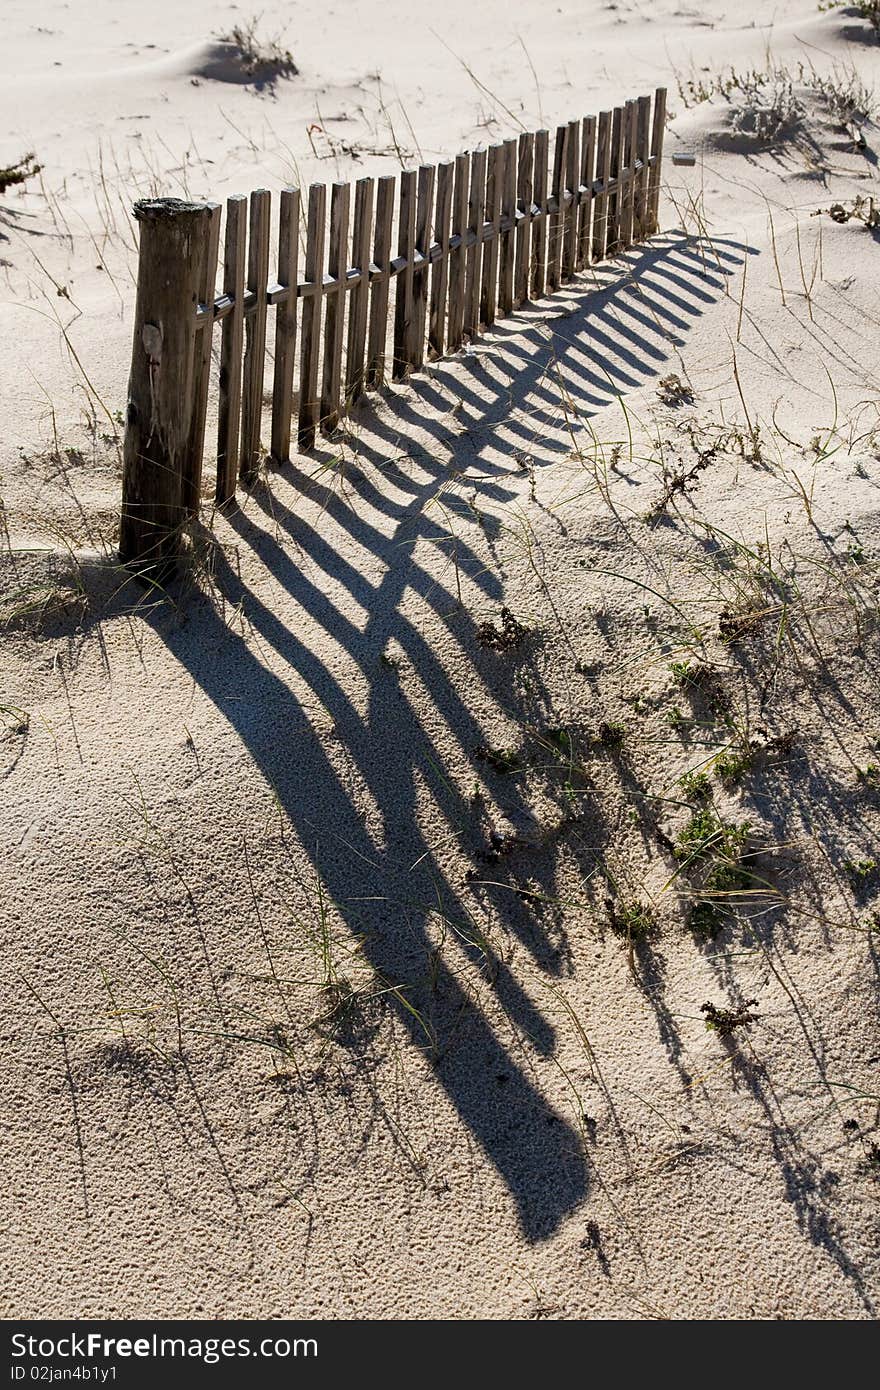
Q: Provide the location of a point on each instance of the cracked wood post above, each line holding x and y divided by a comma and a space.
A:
174, 239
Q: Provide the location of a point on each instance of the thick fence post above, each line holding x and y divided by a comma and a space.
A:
174, 238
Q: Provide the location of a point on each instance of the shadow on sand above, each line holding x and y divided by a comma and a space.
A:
385, 875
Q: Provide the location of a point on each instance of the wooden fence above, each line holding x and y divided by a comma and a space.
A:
476, 238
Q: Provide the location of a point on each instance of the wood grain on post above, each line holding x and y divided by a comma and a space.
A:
231, 343
489, 279
557, 215
404, 309
458, 254
285, 324
255, 336
613, 235
311, 318
658, 127
539, 225
192, 478
627, 206
587, 177
632, 148
440, 273
603, 175
571, 185
158, 430
507, 251
525, 165
476, 202
337, 267
379, 294
359, 297
424, 208
643, 154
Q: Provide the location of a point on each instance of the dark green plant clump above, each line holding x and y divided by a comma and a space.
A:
503, 638
610, 736
724, 1021
633, 921
24, 168
712, 851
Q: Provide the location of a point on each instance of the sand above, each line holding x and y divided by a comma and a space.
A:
319, 998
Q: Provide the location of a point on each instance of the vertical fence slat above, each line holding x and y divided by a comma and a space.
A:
380, 291
489, 285
603, 174
440, 273
632, 149
458, 255
571, 184
474, 251
587, 175
507, 251
359, 297
541, 220
337, 265
285, 324
192, 476
403, 297
657, 130
311, 317
630, 118
643, 151
231, 340
525, 164
624, 201
424, 208
557, 216
613, 235
255, 336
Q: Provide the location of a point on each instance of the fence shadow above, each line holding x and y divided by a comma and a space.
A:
387, 877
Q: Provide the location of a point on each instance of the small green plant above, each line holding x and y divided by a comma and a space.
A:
712, 851
870, 775
699, 681
559, 737
632, 920
860, 872
696, 786
706, 834
724, 1021
685, 674
732, 764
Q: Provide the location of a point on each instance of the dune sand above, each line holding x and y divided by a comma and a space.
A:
356, 942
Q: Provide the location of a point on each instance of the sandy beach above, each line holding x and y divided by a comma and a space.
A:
458, 896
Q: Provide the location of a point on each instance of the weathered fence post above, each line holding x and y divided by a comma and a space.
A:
174, 241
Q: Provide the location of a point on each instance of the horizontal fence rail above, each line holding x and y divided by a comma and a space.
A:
475, 238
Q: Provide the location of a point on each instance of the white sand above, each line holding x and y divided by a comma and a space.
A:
214, 808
